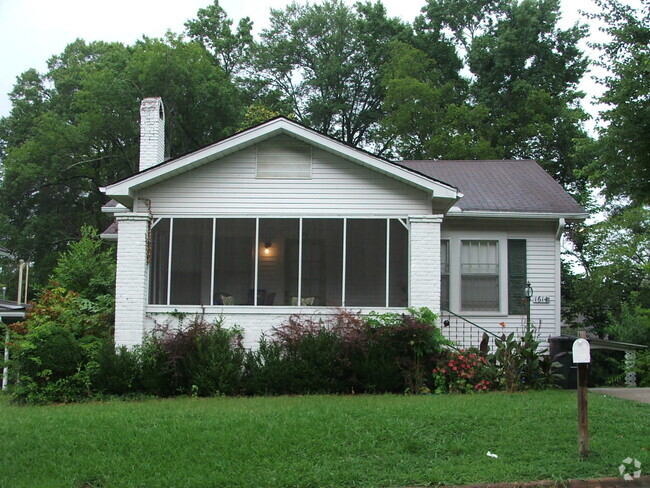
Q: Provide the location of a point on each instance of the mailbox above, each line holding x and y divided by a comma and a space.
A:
581, 351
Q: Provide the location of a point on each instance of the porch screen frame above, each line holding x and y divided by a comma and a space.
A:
256, 256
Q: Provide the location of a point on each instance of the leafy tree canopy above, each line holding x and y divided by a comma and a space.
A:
622, 163
75, 129
325, 60
519, 98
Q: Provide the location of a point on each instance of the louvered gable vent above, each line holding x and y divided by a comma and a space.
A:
284, 157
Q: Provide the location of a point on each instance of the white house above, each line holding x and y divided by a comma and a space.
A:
280, 219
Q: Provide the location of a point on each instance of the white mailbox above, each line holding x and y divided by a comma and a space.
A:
581, 351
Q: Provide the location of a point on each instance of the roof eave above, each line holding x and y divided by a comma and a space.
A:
518, 215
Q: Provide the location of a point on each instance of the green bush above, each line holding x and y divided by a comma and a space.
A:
198, 358
51, 364
521, 365
116, 371
643, 368
52, 347
346, 353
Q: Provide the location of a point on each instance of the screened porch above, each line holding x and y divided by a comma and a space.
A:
254, 262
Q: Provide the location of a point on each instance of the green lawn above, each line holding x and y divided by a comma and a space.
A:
314, 441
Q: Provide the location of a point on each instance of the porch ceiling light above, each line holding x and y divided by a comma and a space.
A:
267, 247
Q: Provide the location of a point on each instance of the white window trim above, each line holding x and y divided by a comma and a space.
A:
455, 239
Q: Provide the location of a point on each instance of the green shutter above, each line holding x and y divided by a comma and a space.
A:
516, 276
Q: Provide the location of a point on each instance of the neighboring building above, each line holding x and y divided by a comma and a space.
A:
280, 219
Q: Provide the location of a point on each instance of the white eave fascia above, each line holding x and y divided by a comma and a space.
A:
119, 208
13, 315
456, 212
125, 189
109, 237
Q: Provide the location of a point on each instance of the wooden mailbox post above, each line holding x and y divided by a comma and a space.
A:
582, 358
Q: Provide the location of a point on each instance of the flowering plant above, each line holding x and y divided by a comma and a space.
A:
462, 372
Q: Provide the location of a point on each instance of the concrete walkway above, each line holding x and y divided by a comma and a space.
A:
636, 394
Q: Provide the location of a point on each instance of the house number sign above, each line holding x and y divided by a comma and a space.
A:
541, 299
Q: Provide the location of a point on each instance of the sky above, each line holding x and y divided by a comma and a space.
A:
31, 31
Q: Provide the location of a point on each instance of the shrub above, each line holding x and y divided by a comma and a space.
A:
413, 341
88, 268
116, 371
51, 365
52, 347
199, 358
643, 368
520, 363
346, 353
463, 372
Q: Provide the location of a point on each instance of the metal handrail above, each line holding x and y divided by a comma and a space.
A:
465, 319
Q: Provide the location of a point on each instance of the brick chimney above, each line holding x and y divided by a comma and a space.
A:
152, 132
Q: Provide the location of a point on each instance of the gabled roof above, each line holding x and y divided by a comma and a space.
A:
124, 191
502, 186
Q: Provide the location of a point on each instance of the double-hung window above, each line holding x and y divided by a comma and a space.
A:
479, 275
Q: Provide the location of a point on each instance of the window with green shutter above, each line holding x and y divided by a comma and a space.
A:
516, 276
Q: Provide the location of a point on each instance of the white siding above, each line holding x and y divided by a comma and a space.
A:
229, 186
542, 271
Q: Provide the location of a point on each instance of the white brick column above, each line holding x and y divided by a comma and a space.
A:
424, 262
131, 283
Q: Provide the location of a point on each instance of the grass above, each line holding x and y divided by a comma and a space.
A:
361, 441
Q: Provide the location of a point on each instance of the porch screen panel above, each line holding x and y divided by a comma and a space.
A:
444, 274
278, 270
234, 261
365, 275
398, 263
322, 262
479, 267
159, 266
191, 262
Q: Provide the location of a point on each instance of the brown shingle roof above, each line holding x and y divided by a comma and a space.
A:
501, 185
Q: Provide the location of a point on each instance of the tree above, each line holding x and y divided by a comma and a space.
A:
74, 129
622, 165
325, 60
521, 98
428, 116
615, 256
213, 29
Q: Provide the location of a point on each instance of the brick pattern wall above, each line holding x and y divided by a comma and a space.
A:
132, 277
424, 265
152, 132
